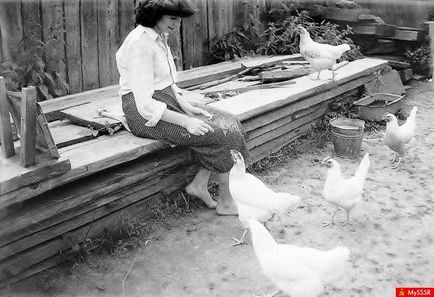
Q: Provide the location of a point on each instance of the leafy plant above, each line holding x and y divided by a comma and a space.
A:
28, 67
420, 58
280, 36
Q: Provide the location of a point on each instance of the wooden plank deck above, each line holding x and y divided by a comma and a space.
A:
107, 151
110, 174
249, 104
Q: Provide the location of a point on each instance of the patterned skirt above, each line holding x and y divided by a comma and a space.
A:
212, 149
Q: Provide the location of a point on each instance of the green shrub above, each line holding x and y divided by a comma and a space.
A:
27, 67
280, 36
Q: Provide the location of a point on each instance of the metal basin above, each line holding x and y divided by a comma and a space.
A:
373, 106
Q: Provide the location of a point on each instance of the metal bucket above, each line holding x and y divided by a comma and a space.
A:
347, 135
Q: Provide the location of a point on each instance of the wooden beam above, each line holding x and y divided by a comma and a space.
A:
6, 139
87, 158
284, 126
63, 203
276, 144
28, 127
283, 75
19, 262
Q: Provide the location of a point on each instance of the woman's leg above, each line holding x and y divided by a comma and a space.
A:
226, 204
199, 188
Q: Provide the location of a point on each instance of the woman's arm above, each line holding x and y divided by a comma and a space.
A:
193, 125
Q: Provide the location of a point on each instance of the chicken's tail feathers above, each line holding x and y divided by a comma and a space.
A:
363, 168
284, 201
335, 263
261, 238
413, 112
343, 48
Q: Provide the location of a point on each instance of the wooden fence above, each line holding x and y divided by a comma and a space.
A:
82, 36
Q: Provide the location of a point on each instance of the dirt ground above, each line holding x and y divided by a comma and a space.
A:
191, 254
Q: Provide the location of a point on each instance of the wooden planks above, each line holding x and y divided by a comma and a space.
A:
185, 78
28, 127
255, 102
14, 177
31, 15
126, 21
73, 46
283, 126
195, 31
53, 36
65, 133
6, 139
88, 158
89, 44
220, 17
66, 202
87, 114
11, 27
175, 45
108, 41
131, 197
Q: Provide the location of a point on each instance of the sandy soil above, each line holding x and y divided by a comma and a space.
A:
391, 239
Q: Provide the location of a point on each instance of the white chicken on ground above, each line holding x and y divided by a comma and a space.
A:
321, 56
344, 192
253, 198
400, 138
297, 271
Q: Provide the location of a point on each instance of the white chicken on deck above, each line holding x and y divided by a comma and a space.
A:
297, 271
253, 198
400, 138
344, 192
321, 56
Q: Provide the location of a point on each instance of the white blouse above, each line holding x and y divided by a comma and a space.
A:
145, 64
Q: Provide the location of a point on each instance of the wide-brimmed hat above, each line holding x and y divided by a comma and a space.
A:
181, 8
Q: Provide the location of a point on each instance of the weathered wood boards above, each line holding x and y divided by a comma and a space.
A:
13, 176
112, 174
6, 140
186, 78
88, 158
255, 102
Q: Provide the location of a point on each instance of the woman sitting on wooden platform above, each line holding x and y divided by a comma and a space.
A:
156, 108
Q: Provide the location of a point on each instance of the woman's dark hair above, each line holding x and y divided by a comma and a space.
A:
148, 12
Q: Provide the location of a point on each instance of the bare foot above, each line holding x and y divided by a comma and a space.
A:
202, 194
226, 207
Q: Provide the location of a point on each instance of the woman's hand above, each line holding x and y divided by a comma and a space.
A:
197, 126
192, 110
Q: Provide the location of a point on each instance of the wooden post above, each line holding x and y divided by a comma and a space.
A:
28, 127
6, 138
431, 37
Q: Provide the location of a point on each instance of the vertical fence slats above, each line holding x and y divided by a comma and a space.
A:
126, 22
11, 27
220, 17
89, 43
31, 19
73, 46
108, 42
176, 47
53, 36
84, 54
194, 36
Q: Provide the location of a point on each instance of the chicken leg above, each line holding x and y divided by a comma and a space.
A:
396, 161
331, 222
241, 240
347, 222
